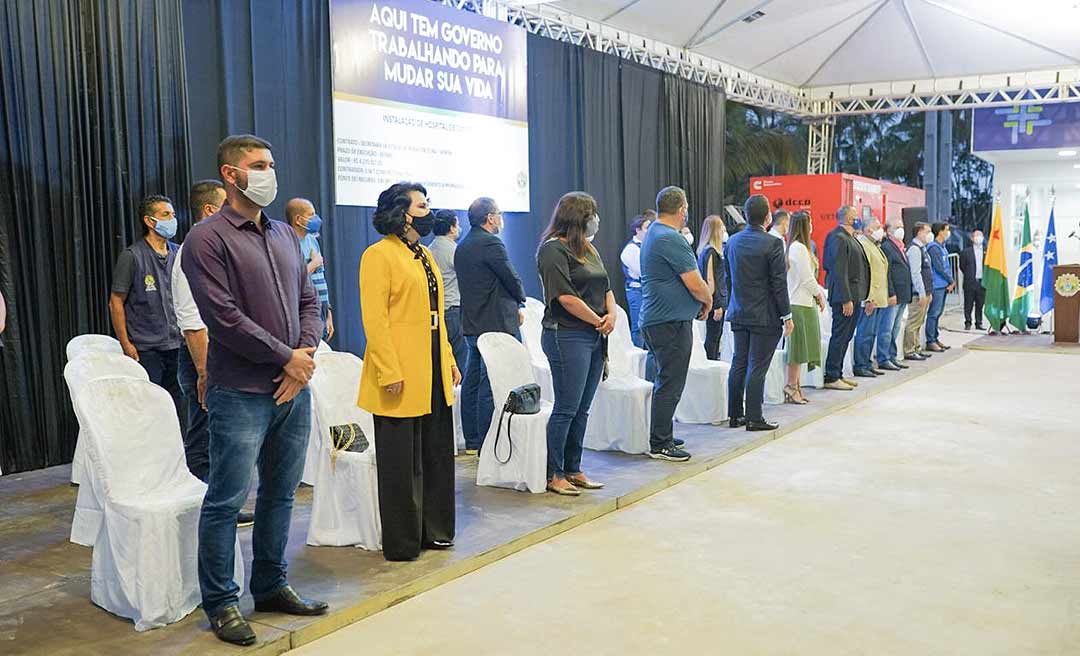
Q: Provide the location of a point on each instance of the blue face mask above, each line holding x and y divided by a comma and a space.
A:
165, 228
859, 225
314, 224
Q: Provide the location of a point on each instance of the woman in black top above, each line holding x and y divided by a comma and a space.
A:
578, 317
711, 265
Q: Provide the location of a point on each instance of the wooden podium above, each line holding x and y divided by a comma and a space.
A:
1067, 303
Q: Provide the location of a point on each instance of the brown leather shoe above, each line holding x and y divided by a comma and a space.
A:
934, 348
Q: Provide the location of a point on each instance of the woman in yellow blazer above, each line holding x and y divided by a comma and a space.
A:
409, 377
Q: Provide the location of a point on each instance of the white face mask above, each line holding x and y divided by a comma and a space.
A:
261, 187
898, 234
978, 240
689, 237
592, 227
877, 234
928, 238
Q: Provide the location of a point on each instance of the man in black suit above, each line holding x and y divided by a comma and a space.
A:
971, 265
491, 301
847, 281
758, 310
892, 319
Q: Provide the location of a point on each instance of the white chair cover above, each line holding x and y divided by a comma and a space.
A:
88, 366
621, 410
531, 331
704, 400
311, 458
145, 561
323, 347
345, 508
534, 307
622, 347
775, 378
459, 434
508, 366
89, 343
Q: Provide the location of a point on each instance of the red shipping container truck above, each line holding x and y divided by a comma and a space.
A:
824, 194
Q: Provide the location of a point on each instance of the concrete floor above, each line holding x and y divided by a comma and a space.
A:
938, 517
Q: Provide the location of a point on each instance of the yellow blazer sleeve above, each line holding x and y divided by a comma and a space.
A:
375, 313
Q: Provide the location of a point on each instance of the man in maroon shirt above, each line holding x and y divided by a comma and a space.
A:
262, 317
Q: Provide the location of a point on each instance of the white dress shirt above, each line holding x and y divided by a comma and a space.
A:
802, 285
187, 313
978, 261
631, 261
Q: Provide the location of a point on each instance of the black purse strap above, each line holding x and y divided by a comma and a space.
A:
498, 436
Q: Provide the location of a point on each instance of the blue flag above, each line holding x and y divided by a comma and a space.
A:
1050, 258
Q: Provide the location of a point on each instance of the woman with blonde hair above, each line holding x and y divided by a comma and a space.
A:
711, 264
579, 314
804, 343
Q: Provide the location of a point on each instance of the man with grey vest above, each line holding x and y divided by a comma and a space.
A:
141, 303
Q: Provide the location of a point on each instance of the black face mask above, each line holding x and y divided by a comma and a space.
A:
423, 224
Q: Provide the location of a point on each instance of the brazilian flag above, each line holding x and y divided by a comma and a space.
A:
995, 278
1025, 279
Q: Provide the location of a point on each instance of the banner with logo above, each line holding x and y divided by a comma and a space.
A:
431, 94
1022, 127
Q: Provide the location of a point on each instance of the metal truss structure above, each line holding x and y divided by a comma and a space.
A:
819, 150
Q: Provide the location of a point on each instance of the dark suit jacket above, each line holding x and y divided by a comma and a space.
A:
899, 271
757, 272
847, 271
967, 266
491, 291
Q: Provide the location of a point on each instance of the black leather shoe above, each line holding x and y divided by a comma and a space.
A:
760, 425
439, 545
888, 366
864, 373
230, 626
898, 364
876, 371
916, 357
287, 601
736, 422
980, 327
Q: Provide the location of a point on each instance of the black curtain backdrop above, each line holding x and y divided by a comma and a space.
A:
105, 101
92, 117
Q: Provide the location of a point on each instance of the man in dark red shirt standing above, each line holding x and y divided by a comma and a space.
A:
262, 317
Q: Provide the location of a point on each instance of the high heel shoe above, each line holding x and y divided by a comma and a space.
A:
790, 396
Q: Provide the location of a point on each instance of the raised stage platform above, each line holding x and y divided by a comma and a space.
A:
45, 603
1017, 343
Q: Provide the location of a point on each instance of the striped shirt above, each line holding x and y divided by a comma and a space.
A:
309, 246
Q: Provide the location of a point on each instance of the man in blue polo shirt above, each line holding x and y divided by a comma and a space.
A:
673, 295
307, 225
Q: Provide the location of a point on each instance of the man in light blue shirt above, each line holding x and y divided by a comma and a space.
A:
943, 284
443, 247
300, 213
673, 294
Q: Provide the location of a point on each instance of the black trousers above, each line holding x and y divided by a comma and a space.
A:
415, 460
973, 299
667, 365
197, 436
749, 365
714, 330
843, 330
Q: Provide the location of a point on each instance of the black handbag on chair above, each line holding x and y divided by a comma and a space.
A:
349, 438
524, 400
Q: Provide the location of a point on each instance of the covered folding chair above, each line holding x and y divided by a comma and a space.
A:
621, 410
88, 366
531, 331
311, 457
619, 340
92, 343
704, 400
775, 377
145, 561
345, 508
459, 433
535, 307
519, 440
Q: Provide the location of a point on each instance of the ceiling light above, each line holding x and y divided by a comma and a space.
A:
1066, 153
753, 17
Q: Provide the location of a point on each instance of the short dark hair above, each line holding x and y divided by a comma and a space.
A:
445, 220
480, 209
203, 192
918, 227
756, 209
148, 206
938, 227
780, 215
394, 201
637, 222
670, 200
842, 212
232, 147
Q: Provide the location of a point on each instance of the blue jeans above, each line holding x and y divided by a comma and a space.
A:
456, 339
477, 404
843, 329
933, 315
633, 303
577, 362
249, 430
865, 334
888, 326
197, 436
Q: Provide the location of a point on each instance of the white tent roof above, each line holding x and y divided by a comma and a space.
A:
824, 43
